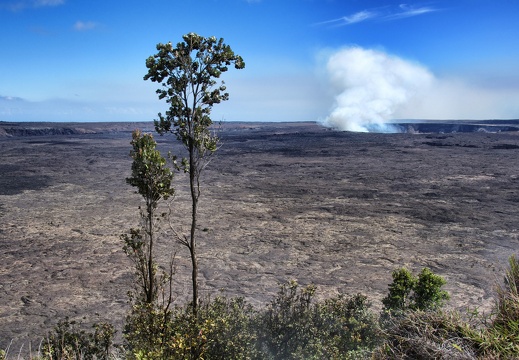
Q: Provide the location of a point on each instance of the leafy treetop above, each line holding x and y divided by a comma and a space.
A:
187, 74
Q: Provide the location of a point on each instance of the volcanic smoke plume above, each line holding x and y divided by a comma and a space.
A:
370, 86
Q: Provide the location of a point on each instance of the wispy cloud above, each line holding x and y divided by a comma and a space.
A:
19, 5
406, 11
40, 3
351, 19
84, 25
10, 98
382, 14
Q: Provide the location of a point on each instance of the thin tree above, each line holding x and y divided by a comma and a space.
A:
153, 180
187, 74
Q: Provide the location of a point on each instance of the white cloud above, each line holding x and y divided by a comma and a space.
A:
84, 25
358, 17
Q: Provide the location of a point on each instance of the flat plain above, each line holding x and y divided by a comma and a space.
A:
280, 201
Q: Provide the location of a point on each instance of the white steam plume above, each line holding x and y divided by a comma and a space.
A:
370, 87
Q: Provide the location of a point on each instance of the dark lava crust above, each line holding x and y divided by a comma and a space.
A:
280, 201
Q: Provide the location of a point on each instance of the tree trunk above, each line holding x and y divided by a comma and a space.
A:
150, 256
192, 248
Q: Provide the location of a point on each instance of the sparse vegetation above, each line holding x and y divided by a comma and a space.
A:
296, 326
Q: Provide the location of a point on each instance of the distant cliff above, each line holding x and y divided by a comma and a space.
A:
17, 129
458, 126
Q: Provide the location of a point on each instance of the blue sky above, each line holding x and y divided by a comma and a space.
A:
306, 60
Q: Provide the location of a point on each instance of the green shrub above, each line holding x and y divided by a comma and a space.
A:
68, 341
147, 331
221, 329
294, 327
407, 292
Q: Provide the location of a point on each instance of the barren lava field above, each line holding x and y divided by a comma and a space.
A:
280, 201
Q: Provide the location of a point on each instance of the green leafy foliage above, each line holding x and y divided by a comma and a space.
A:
434, 334
152, 178
221, 329
147, 331
427, 291
399, 296
150, 175
407, 292
187, 74
69, 341
294, 326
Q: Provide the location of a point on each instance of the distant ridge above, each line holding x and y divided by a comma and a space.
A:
455, 126
18, 129
23, 129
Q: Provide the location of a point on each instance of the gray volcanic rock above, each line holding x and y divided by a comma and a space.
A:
280, 201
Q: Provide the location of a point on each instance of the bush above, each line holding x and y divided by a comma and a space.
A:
407, 292
294, 327
68, 341
221, 329
146, 331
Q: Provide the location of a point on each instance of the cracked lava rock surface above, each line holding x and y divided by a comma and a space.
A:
279, 202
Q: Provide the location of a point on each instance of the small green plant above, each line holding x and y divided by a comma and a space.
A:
408, 292
147, 331
69, 341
